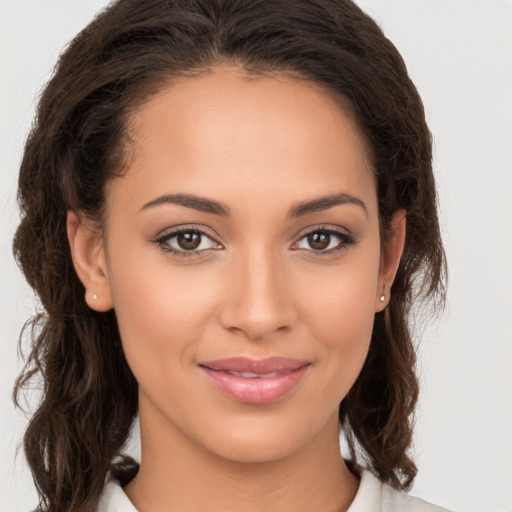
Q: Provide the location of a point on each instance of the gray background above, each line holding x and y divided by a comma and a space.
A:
459, 53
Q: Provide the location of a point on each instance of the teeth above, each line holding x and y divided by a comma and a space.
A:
250, 375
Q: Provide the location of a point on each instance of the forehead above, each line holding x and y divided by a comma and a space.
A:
226, 132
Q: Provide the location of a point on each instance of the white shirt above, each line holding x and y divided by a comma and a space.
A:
372, 496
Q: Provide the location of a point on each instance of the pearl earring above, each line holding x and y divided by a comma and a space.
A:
94, 297
382, 298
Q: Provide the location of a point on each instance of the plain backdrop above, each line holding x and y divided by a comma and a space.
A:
459, 53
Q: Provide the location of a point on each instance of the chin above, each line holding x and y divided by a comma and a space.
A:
255, 451
267, 440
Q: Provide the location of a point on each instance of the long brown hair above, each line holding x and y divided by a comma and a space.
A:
79, 142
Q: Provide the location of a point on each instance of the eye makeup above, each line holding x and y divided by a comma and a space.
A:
190, 242
190, 239
320, 240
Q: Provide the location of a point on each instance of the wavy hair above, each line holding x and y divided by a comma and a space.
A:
79, 142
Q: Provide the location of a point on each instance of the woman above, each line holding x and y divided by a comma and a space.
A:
228, 210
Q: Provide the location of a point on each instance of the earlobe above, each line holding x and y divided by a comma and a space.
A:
88, 255
391, 255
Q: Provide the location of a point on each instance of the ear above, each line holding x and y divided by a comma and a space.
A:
88, 255
391, 254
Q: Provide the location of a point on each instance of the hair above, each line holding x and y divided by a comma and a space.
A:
80, 141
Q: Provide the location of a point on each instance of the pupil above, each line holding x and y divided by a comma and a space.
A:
319, 240
189, 240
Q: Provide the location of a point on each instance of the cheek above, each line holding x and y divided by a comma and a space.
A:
341, 302
339, 316
341, 298
161, 311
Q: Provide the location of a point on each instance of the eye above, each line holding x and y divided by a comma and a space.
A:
186, 242
325, 241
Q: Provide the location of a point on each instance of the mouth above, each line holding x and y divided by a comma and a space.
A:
255, 381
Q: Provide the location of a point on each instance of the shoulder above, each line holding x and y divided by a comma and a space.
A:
114, 499
378, 497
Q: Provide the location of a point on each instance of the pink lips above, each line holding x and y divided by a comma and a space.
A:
255, 381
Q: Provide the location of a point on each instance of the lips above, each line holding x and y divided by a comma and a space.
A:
255, 381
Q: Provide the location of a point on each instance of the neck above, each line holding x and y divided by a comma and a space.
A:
176, 474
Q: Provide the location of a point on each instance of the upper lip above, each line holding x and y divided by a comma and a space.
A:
258, 366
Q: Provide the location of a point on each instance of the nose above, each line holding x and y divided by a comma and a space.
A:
258, 300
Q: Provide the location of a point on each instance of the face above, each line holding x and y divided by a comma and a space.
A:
242, 257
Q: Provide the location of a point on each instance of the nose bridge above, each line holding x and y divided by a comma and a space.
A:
258, 300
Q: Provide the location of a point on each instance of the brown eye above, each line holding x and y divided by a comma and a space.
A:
325, 241
189, 240
319, 240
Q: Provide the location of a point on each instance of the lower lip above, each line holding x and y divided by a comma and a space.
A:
255, 391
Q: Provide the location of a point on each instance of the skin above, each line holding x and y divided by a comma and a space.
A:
257, 289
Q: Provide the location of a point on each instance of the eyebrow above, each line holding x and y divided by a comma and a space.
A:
324, 203
206, 205
190, 201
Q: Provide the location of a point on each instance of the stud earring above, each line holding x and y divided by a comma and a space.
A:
94, 297
382, 298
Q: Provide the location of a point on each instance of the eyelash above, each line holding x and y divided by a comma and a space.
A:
346, 240
163, 240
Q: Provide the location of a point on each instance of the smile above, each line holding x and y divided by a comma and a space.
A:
255, 381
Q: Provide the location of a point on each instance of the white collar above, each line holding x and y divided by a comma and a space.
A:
372, 496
